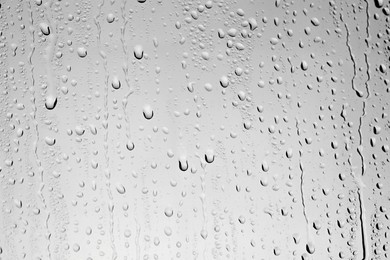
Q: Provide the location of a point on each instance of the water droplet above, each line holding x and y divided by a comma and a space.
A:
79, 130
209, 156
183, 163
18, 203
45, 29
148, 112
82, 52
110, 18
138, 52
304, 65
204, 234
56, 174
116, 84
289, 153
277, 251
264, 166
120, 188
168, 212
252, 23
310, 248
50, 141
130, 145
208, 87
315, 21
51, 102
379, 3
224, 81
168, 231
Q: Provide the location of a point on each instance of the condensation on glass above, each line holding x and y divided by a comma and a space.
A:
219, 129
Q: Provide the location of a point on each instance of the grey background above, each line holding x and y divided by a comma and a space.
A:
102, 103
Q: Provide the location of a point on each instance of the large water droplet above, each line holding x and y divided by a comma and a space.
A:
82, 52
138, 52
45, 29
51, 102
148, 112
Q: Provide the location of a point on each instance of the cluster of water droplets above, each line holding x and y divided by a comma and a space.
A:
194, 129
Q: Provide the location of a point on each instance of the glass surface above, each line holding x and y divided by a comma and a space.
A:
170, 129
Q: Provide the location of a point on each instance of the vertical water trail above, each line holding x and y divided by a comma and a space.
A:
366, 83
362, 210
203, 200
301, 185
362, 217
125, 69
360, 147
352, 57
302, 178
36, 127
137, 244
359, 181
105, 126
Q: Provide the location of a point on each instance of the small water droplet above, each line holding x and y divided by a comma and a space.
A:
224, 81
264, 166
183, 163
120, 188
116, 84
130, 145
50, 141
204, 234
168, 212
209, 156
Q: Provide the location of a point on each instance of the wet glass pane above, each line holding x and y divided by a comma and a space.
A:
212, 129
